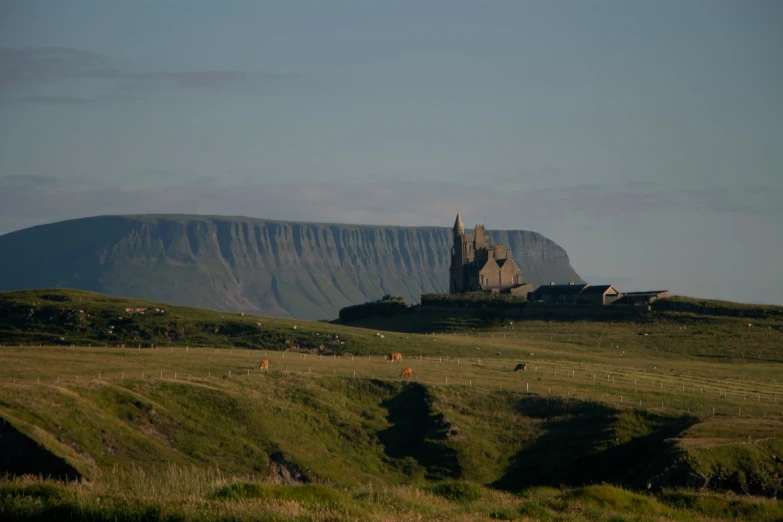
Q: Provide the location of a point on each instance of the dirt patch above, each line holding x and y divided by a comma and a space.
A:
285, 471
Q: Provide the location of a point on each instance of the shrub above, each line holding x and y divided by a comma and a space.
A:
39, 491
462, 492
308, 494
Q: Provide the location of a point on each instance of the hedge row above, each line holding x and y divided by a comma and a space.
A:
384, 307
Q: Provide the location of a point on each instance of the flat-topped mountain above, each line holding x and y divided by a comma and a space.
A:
278, 268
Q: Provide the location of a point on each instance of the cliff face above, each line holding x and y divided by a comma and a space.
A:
305, 270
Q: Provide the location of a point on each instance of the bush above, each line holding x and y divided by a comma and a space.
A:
41, 491
462, 492
307, 494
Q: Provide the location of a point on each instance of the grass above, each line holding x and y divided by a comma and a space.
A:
196, 495
728, 305
600, 404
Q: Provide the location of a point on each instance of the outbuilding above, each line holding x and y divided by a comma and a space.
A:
599, 295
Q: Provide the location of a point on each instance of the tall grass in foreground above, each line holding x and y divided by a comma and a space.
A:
206, 494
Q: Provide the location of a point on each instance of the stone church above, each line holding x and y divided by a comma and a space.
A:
476, 265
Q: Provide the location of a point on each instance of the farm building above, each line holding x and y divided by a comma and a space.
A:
522, 289
599, 295
641, 298
557, 294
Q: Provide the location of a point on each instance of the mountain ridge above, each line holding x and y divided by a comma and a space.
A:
237, 263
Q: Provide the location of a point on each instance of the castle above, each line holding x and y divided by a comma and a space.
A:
476, 265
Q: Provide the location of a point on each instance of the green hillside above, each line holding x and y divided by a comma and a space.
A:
335, 434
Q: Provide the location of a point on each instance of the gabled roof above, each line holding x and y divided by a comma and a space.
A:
598, 290
560, 289
490, 260
509, 264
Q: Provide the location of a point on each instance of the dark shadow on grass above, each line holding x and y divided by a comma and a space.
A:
419, 433
21, 455
581, 446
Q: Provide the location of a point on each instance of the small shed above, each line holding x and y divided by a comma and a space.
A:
600, 295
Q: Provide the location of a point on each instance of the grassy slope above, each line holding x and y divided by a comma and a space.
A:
178, 495
482, 427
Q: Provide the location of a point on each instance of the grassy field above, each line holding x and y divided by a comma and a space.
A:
195, 494
677, 400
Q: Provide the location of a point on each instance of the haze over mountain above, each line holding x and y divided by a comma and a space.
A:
278, 268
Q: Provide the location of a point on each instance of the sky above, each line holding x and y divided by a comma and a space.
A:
644, 137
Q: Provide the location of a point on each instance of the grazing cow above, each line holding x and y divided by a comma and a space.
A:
264, 365
521, 366
394, 357
406, 372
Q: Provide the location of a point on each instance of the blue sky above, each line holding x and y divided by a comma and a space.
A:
646, 138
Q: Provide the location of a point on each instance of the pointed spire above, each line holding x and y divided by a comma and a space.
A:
459, 228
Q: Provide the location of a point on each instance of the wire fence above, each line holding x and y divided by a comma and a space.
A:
696, 395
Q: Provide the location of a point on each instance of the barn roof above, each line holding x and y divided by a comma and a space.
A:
597, 290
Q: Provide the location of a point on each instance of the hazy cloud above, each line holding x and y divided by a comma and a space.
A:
35, 67
538, 173
641, 185
28, 181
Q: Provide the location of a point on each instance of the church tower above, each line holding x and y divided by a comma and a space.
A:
457, 257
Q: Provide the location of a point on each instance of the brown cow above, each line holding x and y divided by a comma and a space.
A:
406, 372
264, 365
521, 366
394, 357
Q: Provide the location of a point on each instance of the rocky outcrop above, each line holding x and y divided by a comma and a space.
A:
277, 268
